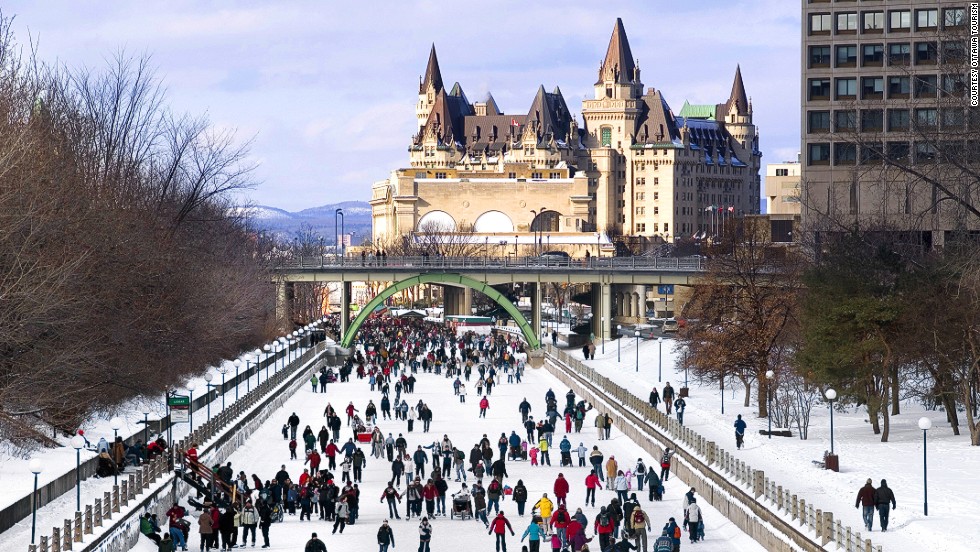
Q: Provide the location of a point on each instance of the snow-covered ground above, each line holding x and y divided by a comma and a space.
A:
953, 523
266, 451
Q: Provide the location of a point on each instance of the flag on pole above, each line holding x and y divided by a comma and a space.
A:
513, 122
731, 209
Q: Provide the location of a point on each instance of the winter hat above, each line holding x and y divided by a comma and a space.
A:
869, 481
314, 535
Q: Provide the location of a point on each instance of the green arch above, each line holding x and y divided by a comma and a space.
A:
443, 278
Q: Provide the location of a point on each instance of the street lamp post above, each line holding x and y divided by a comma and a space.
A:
925, 424
619, 338
116, 424
534, 230
223, 369
339, 238
77, 442
207, 378
258, 370
146, 427
36, 468
190, 408
723, 392
769, 375
831, 394
660, 359
238, 364
636, 334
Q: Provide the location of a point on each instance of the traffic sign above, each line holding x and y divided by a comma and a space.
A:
665, 289
180, 406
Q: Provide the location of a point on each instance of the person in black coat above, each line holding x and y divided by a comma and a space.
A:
520, 496
883, 497
499, 468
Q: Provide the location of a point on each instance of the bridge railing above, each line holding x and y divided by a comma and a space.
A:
685, 264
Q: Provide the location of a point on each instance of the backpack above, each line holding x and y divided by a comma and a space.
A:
604, 518
677, 532
638, 516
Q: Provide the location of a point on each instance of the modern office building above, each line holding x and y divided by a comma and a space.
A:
783, 188
629, 166
884, 109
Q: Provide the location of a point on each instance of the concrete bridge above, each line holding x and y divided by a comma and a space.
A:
614, 280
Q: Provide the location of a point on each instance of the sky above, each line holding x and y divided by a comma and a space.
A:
326, 90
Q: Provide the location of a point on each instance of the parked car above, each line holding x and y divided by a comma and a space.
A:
555, 258
671, 325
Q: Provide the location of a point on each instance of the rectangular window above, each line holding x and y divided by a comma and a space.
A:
536, 175
898, 120
873, 55
641, 210
512, 175
954, 51
440, 175
874, 22
818, 154
656, 210
898, 87
872, 88
845, 120
926, 19
641, 181
818, 121
953, 117
899, 20
606, 134
847, 23
954, 17
656, 181
899, 53
954, 85
656, 196
820, 23
897, 151
641, 227
871, 120
846, 88
847, 56
819, 56
845, 153
924, 152
640, 196
871, 153
926, 53
554, 175
926, 86
926, 118
666, 227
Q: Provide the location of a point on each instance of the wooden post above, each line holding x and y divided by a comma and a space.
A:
66, 536
803, 512
795, 509
77, 534
124, 494
132, 487
44, 543
779, 497
56, 540
828, 528
115, 497
758, 481
98, 512
88, 519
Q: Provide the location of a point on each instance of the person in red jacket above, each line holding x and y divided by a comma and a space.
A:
314, 459
866, 498
429, 493
568, 422
561, 489
591, 482
559, 522
331, 453
484, 405
604, 525
499, 526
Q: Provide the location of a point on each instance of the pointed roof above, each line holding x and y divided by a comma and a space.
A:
738, 99
551, 113
432, 74
492, 108
618, 64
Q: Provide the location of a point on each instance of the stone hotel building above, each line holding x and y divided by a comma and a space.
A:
629, 166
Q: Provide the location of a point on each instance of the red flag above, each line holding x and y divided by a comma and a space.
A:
731, 209
513, 122
721, 209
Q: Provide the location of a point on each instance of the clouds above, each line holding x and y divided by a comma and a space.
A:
328, 88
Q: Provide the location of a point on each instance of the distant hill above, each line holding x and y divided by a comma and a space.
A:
318, 221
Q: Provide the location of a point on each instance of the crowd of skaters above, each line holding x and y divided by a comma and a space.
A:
390, 356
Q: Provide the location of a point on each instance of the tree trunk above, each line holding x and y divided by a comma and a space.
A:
953, 417
886, 425
748, 390
764, 392
896, 405
971, 421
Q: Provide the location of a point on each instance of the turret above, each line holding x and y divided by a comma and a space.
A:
619, 75
429, 86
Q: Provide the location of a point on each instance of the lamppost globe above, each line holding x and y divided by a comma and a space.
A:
237, 363
36, 466
770, 374
925, 423
116, 423
77, 442
266, 347
191, 386
831, 394
208, 377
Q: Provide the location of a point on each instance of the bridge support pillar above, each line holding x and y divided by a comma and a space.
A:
285, 291
457, 301
345, 293
602, 299
535, 290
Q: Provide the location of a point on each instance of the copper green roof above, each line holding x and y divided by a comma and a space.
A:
698, 111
